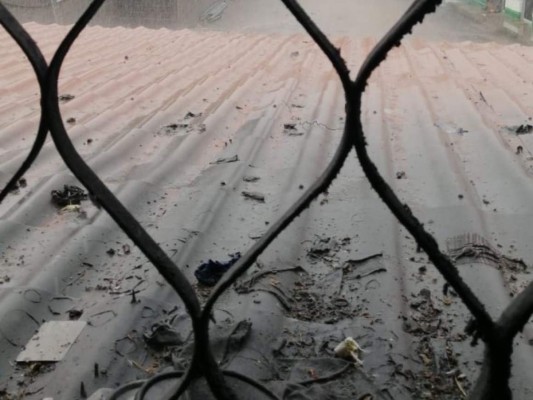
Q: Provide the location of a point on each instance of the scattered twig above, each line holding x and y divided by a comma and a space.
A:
327, 378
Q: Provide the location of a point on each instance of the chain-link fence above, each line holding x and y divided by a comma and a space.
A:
152, 14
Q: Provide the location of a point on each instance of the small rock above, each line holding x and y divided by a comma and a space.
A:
74, 314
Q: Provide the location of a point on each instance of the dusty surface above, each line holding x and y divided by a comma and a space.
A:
455, 20
160, 115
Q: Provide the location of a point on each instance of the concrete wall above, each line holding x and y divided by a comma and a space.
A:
528, 10
518, 18
514, 8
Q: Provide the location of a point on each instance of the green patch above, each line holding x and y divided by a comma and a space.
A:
478, 2
513, 14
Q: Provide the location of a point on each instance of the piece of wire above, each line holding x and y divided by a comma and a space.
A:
149, 383
128, 387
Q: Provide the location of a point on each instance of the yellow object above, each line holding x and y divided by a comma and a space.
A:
348, 349
70, 208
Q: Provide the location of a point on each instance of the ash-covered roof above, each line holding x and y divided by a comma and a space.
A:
179, 124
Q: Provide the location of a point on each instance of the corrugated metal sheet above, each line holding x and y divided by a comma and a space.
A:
153, 110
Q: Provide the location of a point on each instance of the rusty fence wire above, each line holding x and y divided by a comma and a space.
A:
497, 335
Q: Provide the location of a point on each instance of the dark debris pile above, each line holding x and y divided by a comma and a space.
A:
439, 375
308, 305
210, 272
70, 195
21, 183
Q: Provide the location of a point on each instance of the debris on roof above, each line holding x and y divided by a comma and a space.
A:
210, 272
52, 341
524, 128
343, 269
226, 160
259, 197
70, 196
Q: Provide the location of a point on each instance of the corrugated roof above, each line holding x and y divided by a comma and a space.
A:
156, 112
